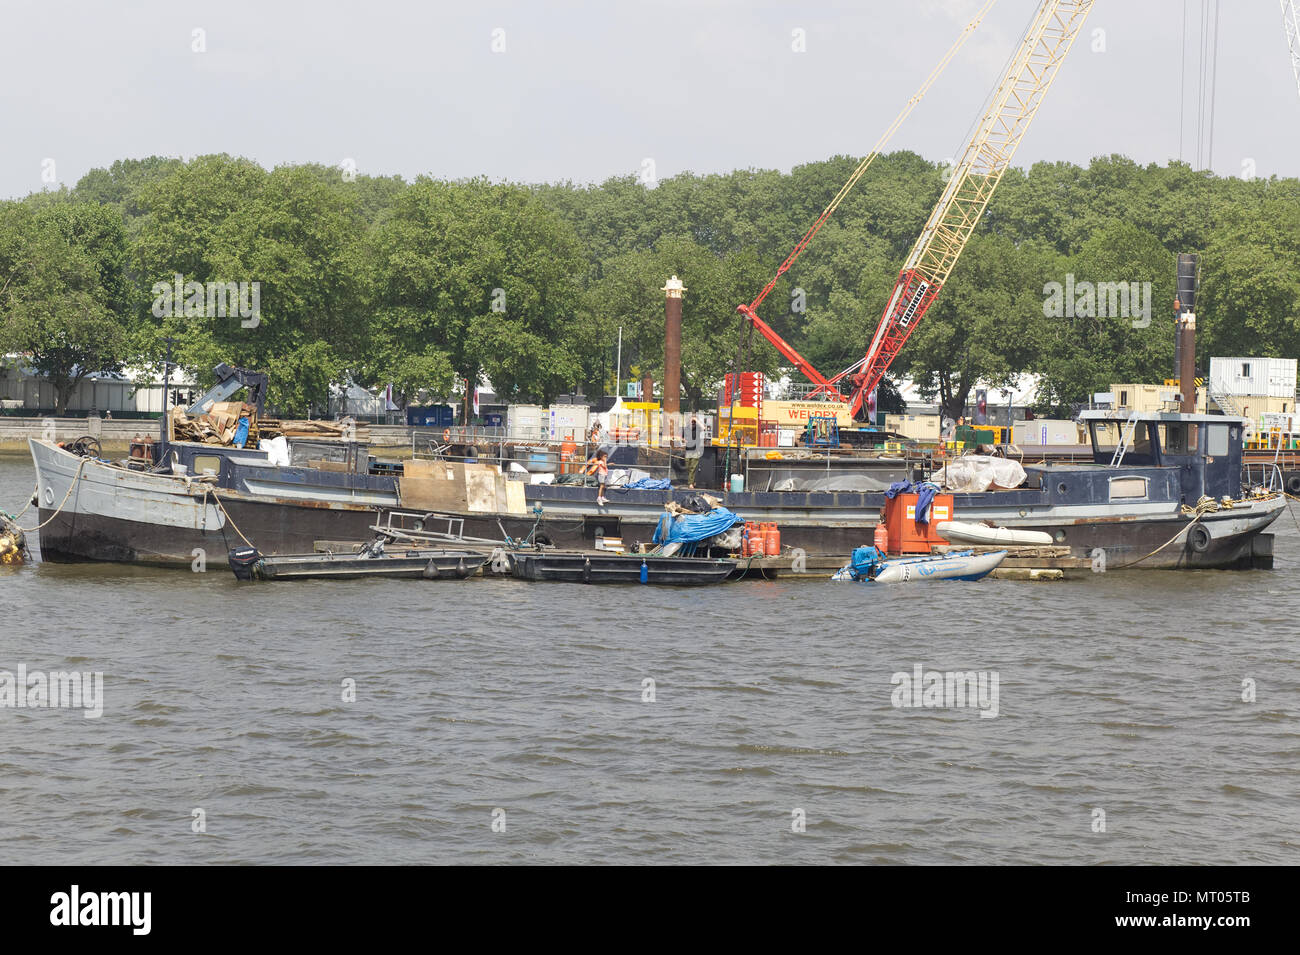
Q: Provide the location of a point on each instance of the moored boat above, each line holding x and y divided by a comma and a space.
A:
579, 568
869, 566
248, 563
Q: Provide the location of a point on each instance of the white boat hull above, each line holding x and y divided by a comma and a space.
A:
903, 570
964, 532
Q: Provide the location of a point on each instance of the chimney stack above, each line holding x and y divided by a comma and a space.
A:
673, 290
1185, 342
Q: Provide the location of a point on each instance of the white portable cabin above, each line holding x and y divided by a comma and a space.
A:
1270, 377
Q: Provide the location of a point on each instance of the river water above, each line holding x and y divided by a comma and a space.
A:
497, 721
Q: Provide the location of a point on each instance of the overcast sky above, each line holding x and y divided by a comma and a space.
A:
587, 90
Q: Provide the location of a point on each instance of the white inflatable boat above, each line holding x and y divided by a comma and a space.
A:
962, 532
966, 565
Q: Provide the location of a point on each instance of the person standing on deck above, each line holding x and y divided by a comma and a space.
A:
598, 464
693, 449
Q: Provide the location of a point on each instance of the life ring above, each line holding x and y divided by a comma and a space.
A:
1199, 538
1293, 482
446, 435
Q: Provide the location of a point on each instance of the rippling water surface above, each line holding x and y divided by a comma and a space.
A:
1121, 693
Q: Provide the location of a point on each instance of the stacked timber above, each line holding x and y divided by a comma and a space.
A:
346, 430
221, 424
218, 426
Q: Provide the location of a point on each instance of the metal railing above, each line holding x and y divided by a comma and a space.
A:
1270, 477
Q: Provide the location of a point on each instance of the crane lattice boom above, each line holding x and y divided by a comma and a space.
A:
971, 185
1291, 24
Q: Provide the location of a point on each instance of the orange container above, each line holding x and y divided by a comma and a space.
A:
882, 538
908, 536
772, 540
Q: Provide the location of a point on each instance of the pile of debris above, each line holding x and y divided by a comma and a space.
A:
225, 425
348, 429
222, 425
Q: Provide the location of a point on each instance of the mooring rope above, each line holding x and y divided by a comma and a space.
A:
71, 487
210, 490
1205, 505
30, 501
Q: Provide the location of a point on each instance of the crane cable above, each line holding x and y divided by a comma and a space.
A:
876, 150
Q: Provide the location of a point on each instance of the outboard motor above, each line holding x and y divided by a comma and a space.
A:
242, 560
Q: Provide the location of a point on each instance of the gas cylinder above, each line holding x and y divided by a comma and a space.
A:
882, 538
771, 540
756, 548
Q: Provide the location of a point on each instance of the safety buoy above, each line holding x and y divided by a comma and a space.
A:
1199, 537
446, 435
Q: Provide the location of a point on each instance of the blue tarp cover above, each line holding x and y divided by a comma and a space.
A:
695, 527
649, 484
864, 558
925, 491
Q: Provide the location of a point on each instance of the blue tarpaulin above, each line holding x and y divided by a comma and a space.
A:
692, 528
864, 559
648, 484
925, 491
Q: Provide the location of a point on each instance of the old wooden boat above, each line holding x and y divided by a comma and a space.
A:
580, 568
374, 561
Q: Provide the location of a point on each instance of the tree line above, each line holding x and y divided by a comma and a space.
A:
429, 283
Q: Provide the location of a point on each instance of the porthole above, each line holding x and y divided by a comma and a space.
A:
1059, 536
1061, 488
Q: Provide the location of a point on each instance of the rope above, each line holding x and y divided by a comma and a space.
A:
209, 490
32, 499
1206, 505
71, 487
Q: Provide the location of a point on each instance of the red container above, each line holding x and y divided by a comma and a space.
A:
907, 535
771, 540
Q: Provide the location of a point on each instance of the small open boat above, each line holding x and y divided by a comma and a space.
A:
963, 532
372, 561
581, 568
868, 566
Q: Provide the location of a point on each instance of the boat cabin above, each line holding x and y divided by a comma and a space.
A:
1205, 449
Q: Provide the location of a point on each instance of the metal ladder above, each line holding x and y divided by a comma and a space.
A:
1125, 439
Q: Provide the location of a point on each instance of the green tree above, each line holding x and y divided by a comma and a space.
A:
63, 297
472, 278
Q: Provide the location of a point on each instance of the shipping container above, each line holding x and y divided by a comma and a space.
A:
567, 421
526, 423
1273, 377
1145, 398
431, 416
1043, 431
918, 427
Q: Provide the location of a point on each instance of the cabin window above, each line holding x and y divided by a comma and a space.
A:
1128, 488
1245, 369
1174, 438
206, 462
1123, 399
1216, 440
